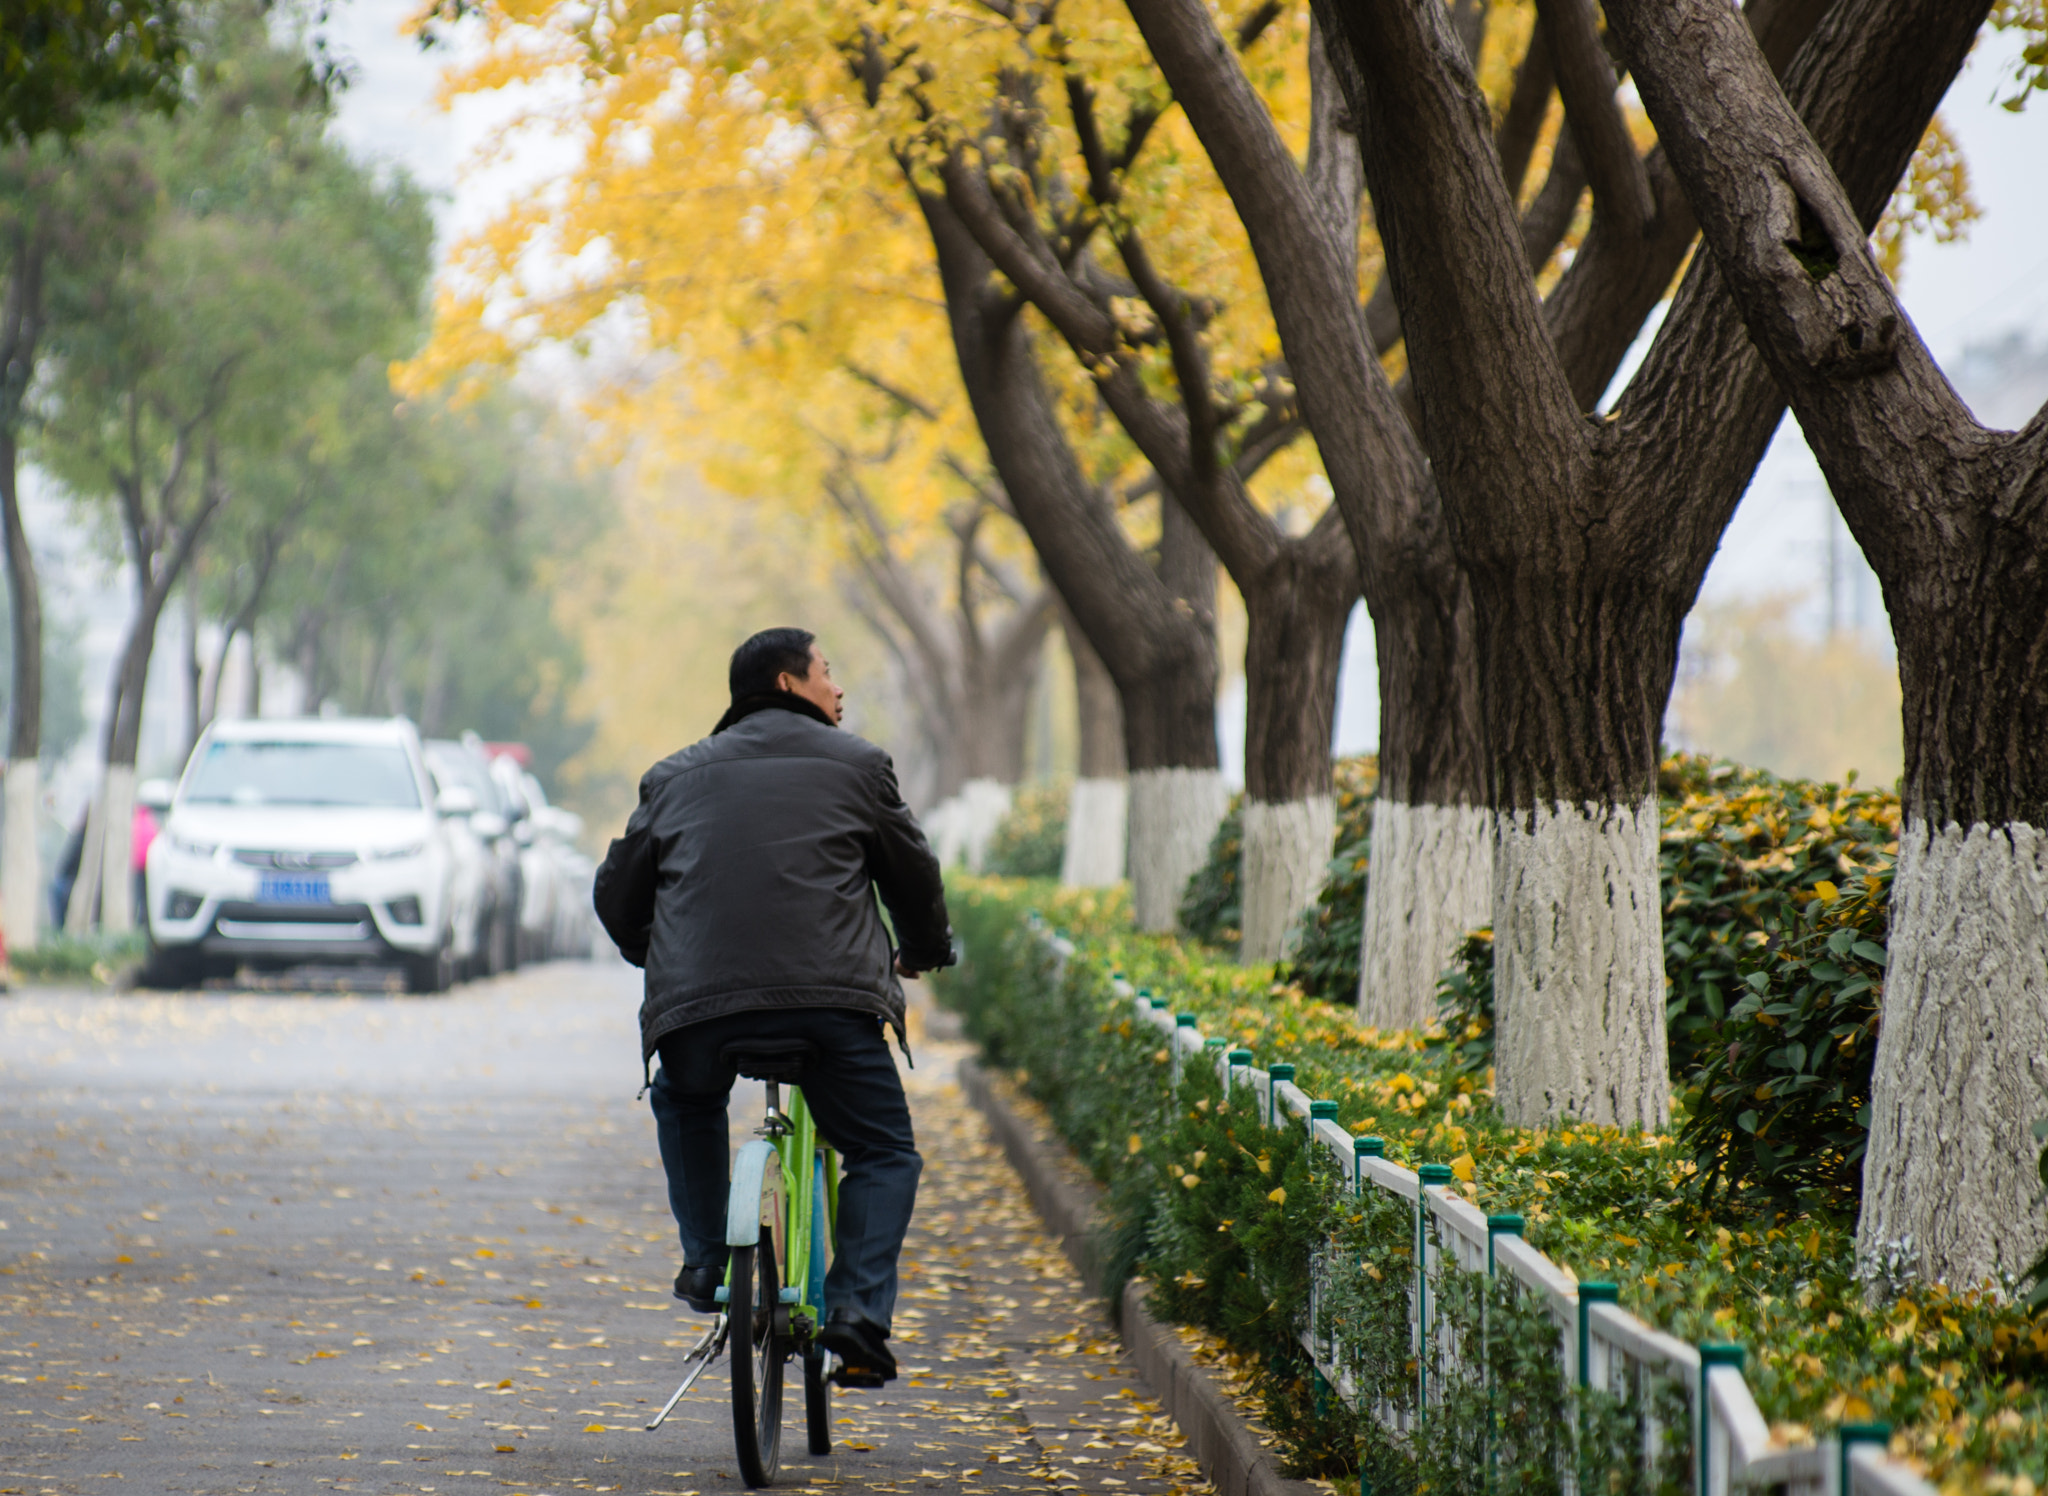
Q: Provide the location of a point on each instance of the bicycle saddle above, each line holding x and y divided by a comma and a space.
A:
780, 1060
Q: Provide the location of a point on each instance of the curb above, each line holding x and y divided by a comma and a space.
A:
1229, 1452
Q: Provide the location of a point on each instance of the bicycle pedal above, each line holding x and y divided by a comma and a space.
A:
856, 1377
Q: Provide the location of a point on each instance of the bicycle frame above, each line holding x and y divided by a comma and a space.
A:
785, 1177
775, 1179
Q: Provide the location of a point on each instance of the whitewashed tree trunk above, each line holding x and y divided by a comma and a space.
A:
117, 880
1578, 966
1430, 882
1286, 854
21, 878
1962, 1056
984, 803
1174, 813
1094, 855
84, 905
945, 830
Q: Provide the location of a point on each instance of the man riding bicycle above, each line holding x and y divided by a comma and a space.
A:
745, 886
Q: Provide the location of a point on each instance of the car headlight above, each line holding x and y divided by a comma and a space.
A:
190, 847
394, 854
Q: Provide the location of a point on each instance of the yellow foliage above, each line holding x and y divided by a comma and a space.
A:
1934, 199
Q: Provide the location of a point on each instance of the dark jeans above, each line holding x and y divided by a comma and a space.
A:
856, 1097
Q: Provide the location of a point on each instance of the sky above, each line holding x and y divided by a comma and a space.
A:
1785, 536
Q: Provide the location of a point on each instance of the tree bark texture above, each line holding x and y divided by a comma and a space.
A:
1098, 811
1954, 520
1153, 627
1286, 855
1584, 542
1575, 896
1430, 884
20, 869
1173, 814
21, 323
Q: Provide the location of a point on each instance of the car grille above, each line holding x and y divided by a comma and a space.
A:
296, 862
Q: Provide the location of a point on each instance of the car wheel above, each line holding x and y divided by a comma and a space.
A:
172, 969
434, 972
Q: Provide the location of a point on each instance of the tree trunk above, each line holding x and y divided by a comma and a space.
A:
1154, 629
1297, 610
20, 871
1954, 520
116, 802
194, 674
1302, 222
1584, 542
1097, 813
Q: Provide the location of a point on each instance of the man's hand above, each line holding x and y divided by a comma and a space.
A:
905, 970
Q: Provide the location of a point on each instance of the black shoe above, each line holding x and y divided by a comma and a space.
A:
862, 1348
698, 1287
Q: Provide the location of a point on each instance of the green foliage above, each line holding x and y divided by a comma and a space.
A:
1961, 1374
1775, 923
1031, 840
1212, 907
62, 60
1464, 1000
1325, 960
58, 957
1741, 851
1783, 1098
2036, 1276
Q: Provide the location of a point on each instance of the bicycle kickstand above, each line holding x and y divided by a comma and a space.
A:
704, 1352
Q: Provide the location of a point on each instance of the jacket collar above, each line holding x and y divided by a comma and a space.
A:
744, 707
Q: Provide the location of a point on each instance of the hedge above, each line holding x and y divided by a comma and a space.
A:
1956, 1372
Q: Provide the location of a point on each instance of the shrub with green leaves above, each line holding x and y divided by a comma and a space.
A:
1782, 1098
1212, 905
58, 957
1325, 959
1031, 839
1962, 1374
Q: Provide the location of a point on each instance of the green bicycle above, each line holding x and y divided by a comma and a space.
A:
782, 1207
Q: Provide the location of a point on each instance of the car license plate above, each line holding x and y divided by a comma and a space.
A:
294, 891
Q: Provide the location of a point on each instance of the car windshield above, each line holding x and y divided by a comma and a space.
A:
452, 765
286, 773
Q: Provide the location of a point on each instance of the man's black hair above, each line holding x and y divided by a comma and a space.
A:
770, 653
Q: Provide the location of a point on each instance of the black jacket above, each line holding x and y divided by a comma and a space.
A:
742, 880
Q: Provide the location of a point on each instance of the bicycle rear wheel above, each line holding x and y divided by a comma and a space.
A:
758, 1349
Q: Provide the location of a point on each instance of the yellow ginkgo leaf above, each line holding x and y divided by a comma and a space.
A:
1461, 1168
1827, 891
1278, 1196
593, 1428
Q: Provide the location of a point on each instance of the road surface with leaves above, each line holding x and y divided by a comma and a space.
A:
282, 1243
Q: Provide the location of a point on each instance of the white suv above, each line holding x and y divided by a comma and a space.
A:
302, 840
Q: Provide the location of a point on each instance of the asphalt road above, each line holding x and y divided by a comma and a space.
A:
283, 1243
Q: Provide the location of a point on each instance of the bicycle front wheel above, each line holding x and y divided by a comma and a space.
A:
757, 1355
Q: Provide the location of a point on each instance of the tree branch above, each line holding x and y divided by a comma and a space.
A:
1585, 79
1521, 124
1790, 244
895, 392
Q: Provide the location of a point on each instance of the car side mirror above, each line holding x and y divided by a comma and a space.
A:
488, 824
154, 793
455, 801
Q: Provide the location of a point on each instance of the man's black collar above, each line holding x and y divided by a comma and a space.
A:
785, 701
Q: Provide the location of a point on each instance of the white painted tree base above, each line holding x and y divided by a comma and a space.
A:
1578, 966
1174, 813
1096, 816
117, 878
1286, 854
961, 826
1431, 882
21, 878
1962, 1056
